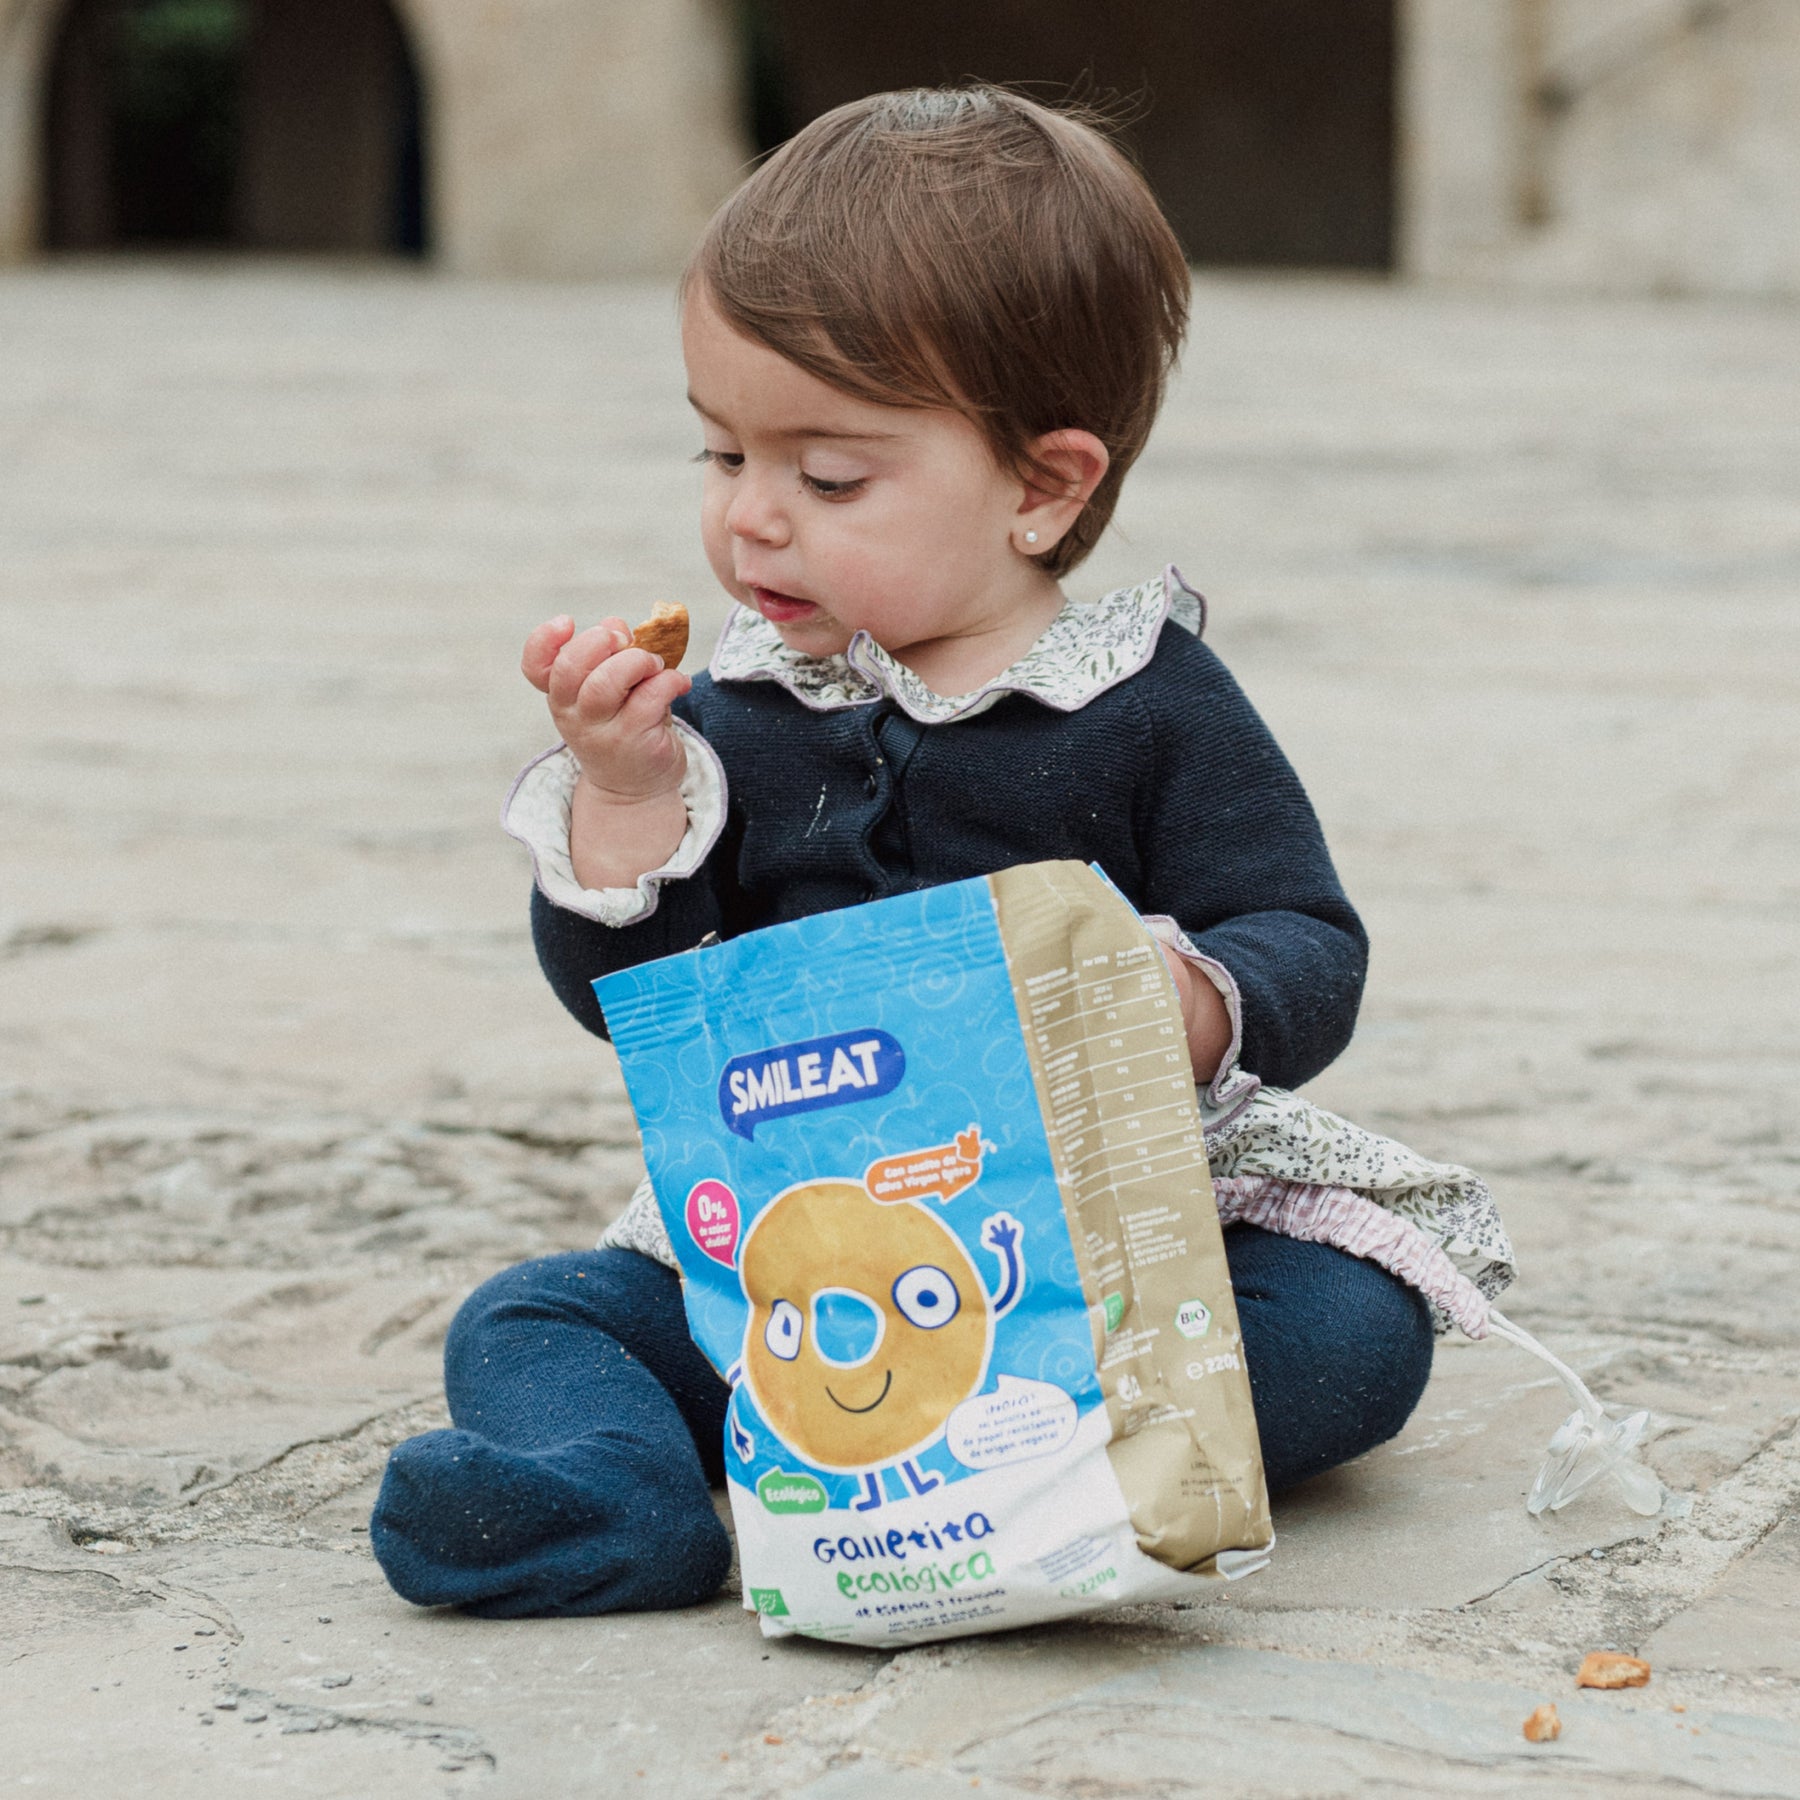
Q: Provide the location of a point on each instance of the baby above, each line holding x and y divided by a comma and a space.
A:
925, 342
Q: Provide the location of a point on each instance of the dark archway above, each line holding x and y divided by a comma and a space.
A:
250, 124
1267, 129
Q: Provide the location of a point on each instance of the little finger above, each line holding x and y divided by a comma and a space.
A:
542, 648
611, 682
579, 658
647, 705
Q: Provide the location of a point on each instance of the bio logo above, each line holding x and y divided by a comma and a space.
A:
1114, 1305
805, 1077
1192, 1318
781, 1492
769, 1601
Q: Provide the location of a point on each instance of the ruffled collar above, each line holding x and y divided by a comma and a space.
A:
1087, 648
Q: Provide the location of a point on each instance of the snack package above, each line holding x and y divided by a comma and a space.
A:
936, 1177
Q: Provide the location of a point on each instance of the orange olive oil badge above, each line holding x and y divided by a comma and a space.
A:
941, 1172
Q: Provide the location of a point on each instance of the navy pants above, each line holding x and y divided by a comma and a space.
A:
589, 1427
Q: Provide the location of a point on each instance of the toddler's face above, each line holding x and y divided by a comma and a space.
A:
831, 515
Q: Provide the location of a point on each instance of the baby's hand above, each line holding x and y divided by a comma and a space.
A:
1204, 1016
611, 705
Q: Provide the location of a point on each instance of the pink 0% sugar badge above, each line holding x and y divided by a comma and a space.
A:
712, 1220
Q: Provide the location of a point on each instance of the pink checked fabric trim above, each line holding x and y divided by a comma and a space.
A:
1353, 1222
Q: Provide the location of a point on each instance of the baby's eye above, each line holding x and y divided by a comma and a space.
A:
927, 1297
832, 490
728, 460
784, 1330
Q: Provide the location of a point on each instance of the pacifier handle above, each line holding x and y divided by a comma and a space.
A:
1579, 1391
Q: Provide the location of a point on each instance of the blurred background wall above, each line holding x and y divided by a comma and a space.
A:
549, 137
1639, 145
1635, 146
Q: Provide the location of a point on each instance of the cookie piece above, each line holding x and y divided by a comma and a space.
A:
1544, 1726
665, 632
1608, 1669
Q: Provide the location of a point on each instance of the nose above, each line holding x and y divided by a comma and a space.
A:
756, 512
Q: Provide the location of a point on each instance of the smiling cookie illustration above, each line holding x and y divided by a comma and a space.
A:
868, 1323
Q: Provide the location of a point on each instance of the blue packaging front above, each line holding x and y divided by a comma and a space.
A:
935, 1176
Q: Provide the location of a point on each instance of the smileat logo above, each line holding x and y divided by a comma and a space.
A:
808, 1076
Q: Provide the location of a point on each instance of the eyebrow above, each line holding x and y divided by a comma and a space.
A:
804, 431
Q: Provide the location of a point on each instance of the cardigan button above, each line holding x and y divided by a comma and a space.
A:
873, 784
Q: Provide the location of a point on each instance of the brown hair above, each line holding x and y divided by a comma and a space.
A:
968, 248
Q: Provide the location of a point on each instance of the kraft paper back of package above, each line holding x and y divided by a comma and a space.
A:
936, 1178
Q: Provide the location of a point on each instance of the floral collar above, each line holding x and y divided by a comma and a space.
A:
1087, 648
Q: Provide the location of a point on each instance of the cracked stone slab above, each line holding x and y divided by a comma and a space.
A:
126, 1701
219, 1190
158, 1391
1511, 579
1220, 1719
314, 1668
1748, 1625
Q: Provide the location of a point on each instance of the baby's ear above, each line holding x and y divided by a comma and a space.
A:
1069, 466
1077, 459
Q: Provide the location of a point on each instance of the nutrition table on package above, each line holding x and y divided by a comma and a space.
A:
1109, 1038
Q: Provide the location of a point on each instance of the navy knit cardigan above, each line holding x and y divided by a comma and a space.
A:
1169, 781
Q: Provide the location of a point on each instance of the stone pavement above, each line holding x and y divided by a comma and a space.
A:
1514, 582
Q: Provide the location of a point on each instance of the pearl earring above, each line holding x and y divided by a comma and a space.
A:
1031, 537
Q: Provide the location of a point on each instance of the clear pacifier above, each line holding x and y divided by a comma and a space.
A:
1583, 1450
1594, 1443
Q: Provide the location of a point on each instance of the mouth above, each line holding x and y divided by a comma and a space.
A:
887, 1381
782, 609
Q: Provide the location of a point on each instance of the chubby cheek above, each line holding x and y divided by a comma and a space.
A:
874, 558
716, 537
866, 577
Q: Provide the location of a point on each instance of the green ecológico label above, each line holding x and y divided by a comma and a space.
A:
1114, 1305
769, 1600
781, 1492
